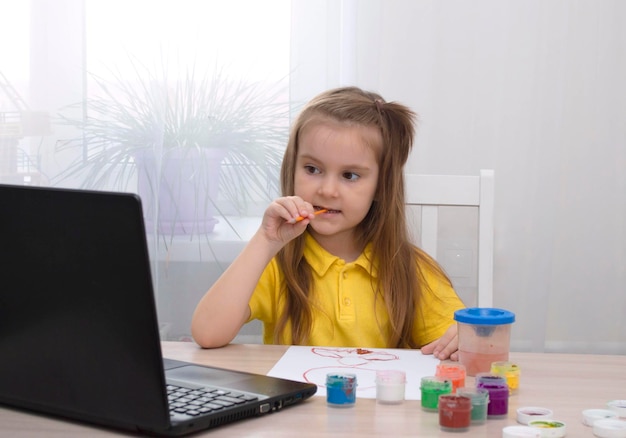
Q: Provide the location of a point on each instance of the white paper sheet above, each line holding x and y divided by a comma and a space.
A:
311, 364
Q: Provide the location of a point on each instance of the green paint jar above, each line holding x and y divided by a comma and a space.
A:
480, 401
432, 387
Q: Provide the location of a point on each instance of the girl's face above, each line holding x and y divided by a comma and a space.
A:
337, 169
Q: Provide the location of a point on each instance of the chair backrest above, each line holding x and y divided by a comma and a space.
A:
433, 191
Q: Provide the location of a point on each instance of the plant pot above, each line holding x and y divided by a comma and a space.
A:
178, 189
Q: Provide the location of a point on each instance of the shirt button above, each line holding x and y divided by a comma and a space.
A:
345, 275
347, 301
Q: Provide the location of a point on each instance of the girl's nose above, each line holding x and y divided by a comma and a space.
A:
328, 186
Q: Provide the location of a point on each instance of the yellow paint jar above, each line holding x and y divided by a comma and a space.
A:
510, 371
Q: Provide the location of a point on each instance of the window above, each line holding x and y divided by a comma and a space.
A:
96, 70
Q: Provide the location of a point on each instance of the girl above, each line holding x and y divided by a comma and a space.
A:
331, 263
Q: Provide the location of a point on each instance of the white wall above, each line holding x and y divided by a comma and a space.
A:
533, 89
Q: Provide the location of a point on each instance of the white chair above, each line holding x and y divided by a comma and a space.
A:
433, 191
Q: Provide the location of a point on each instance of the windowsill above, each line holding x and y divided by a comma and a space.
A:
222, 245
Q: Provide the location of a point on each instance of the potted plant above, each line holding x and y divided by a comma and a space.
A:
194, 144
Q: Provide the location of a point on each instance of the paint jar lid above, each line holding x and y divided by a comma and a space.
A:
520, 432
484, 316
609, 428
590, 416
619, 406
549, 428
527, 414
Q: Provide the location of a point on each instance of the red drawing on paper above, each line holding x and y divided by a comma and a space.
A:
349, 360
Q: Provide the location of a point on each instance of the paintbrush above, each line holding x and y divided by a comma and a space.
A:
300, 218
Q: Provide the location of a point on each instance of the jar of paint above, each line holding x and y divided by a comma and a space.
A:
453, 371
498, 406
390, 386
431, 388
454, 412
341, 390
480, 400
510, 372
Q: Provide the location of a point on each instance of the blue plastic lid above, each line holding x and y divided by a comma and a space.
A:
484, 316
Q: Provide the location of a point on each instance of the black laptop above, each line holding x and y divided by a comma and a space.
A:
79, 335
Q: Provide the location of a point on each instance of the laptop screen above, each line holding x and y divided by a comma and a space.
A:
78, 329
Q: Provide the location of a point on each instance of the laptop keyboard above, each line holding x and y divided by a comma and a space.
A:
194, 402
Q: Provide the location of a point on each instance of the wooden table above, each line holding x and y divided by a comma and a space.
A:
565, 383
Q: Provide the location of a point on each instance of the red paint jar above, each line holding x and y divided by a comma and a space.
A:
454, 412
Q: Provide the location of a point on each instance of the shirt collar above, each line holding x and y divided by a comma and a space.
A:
321, 260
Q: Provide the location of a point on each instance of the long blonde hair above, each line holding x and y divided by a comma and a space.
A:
385, 227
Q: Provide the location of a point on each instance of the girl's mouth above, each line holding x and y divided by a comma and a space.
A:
327, 210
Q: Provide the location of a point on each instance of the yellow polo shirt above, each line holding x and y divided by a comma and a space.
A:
346, 311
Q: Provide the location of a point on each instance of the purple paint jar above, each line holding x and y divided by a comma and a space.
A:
498, 394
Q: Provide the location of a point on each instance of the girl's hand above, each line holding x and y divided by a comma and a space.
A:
446, 347
279, 220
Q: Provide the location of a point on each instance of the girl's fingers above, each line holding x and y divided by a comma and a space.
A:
296, 209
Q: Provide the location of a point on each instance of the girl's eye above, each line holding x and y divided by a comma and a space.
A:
350, 176
311, 169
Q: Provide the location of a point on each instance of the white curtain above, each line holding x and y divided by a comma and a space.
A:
533, 89
168, 78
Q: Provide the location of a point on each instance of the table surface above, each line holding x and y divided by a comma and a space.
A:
565, 383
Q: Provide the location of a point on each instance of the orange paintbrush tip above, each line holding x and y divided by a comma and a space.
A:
323, 210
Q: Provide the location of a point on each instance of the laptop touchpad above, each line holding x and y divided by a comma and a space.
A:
215, 377
204, 376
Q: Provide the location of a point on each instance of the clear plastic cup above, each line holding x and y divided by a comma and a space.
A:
484, 337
